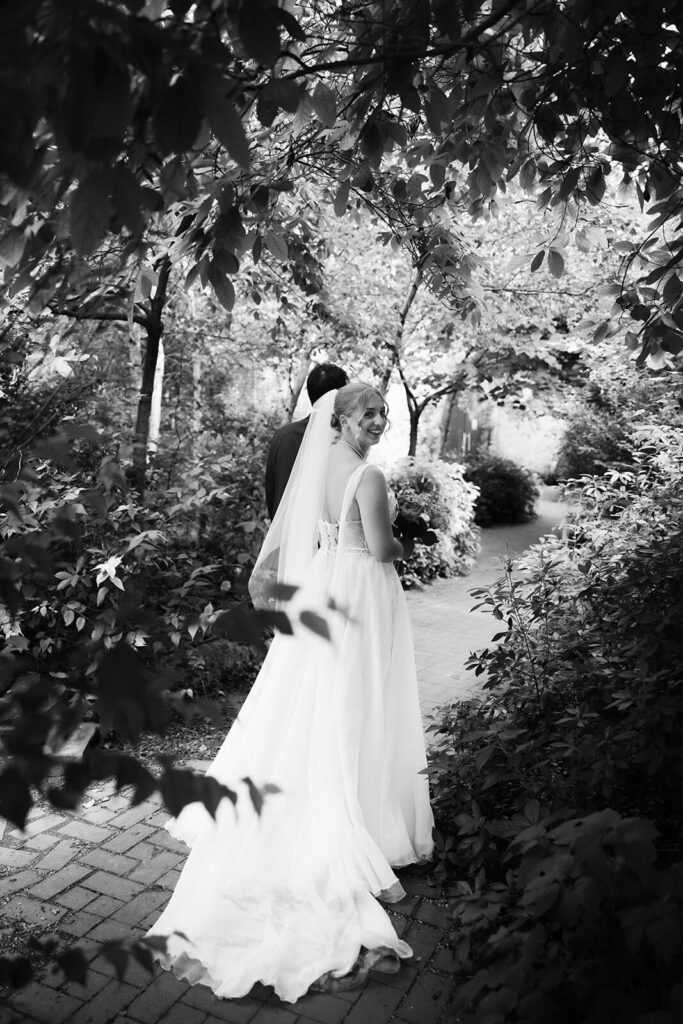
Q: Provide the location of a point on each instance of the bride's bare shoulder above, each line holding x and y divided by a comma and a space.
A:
372, 481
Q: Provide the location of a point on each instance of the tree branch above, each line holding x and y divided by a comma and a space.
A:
105, 315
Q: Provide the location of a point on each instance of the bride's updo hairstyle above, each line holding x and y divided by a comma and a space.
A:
352, 398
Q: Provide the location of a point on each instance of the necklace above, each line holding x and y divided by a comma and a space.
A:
353, 447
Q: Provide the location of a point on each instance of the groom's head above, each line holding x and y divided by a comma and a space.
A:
324, 377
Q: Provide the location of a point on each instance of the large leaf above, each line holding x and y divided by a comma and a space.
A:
74, 964
222, 286
325, 105
259, 31
537, 260
289, 22
555, 262
342, 197
282, 92
316, 623
12, 247
15, 796
128, 200
177, 116
90, 212
277, 246
225, 121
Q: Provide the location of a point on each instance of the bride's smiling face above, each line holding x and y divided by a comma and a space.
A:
366, 425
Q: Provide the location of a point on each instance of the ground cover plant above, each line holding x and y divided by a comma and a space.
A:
558, 791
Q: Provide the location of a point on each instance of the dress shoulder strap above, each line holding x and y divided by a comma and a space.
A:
351, 485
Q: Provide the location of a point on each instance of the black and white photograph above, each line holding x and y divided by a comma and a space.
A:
341, 512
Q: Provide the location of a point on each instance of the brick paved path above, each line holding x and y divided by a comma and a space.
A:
105, 871
445, 628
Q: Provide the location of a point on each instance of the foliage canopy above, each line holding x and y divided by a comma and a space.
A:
116, 112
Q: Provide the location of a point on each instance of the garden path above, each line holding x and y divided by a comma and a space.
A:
104, 871
445, 628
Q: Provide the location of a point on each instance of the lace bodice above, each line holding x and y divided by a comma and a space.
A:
354, 537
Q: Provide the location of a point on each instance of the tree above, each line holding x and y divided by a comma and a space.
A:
132, 105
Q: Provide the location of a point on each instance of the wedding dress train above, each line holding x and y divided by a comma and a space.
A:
289, 897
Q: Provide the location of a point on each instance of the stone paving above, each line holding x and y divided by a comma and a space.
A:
105, 871
446, 629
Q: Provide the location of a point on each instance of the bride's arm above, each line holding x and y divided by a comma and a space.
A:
373, 503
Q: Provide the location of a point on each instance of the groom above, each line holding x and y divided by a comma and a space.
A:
287, 440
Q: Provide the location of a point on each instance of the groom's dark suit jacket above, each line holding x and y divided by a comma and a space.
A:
282, 454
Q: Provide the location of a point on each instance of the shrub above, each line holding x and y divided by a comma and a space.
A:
554, 790
507, 492
438, 494
586, 928
596, 438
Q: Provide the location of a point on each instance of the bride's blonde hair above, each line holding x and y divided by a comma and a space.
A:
351, 397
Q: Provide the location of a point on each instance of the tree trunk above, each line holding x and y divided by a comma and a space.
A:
196, 420
415, 414
446, 422
386, 373
154, 327
134, 367
297, 378
155, 408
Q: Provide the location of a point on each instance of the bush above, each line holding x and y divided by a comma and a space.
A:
587, 927
437, 493
555, 789
507, 492
596, 438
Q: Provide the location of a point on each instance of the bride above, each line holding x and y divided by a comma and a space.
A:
290, 897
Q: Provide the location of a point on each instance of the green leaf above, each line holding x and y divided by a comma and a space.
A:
325, 105
371, 143
179, 787
289, 22
255, 794
74, 964
15, 971
570, 181
90, 212
537, 260
342, 198
527, 175
212, 793
144, 956
177, 117
222, 286
555, 262
15, 797
437, 172
117, 955
276, 620
596, 186
127, 196
316, 623
582, 242
283, 93
277, 246
672, 290
225, 121
259, 31
282, 591
239, 624
12, 247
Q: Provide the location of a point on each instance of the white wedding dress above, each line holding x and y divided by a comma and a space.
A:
290, 898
